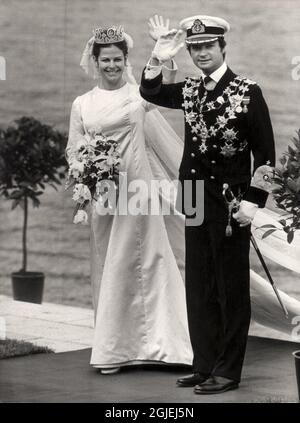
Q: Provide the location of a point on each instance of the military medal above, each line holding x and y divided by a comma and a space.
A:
203, 147
233, 94
228, 150
243, 145
245, 102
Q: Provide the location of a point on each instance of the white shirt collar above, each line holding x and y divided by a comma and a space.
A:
217, 74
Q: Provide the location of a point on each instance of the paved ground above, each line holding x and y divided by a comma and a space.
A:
64, 328
61, 328
269, 376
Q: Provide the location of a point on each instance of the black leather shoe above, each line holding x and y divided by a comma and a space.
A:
191, 380
215, 385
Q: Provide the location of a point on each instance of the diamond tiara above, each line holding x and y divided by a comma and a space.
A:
109, 35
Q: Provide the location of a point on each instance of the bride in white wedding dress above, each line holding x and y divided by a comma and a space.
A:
137, 261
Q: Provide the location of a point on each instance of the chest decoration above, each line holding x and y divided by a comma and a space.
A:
195, 108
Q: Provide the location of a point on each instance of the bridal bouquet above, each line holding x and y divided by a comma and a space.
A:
286, 192
93, 167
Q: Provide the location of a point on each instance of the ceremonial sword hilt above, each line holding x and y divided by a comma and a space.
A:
233, 204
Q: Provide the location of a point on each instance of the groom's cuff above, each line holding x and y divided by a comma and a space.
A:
152, 71
151, 86
257, 196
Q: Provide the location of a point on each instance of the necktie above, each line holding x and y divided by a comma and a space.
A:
209, 83
207, 79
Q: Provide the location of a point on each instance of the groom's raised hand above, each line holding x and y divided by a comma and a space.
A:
157, 27
168, 45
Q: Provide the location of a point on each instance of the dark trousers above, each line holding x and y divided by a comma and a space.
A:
218, 298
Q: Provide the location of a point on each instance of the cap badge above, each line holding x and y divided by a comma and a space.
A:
198, 27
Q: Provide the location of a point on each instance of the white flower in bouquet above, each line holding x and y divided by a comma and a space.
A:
98, 137
103, 166
76, 168
82, 143
82, 157
81, 217
81, 193
96, 159
110, 161
105, 187
85, 147
113, 158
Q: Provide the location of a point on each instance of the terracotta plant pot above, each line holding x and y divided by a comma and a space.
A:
28, 286
296, 354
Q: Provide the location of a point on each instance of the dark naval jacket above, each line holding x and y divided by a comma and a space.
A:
222, 128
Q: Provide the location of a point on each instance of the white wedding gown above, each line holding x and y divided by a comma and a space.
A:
137, 262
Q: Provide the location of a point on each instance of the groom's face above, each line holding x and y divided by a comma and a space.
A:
207, 56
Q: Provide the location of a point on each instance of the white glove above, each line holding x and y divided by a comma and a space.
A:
168, 45
246, 213
157, 27
263, 178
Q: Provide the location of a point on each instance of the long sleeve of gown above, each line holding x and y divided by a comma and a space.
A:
76, 130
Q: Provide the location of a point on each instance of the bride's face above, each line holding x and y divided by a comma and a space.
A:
111, 63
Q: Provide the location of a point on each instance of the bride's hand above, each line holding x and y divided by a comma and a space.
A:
157, 27
168, 45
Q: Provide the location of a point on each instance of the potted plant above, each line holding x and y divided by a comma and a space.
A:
31, 157
287, 198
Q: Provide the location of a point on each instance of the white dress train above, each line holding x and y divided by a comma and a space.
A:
266, 309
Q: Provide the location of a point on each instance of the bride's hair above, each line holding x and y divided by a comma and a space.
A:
122, 45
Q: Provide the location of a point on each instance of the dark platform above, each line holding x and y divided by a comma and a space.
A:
268, 376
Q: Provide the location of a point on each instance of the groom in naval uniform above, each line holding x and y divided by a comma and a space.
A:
226, 121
